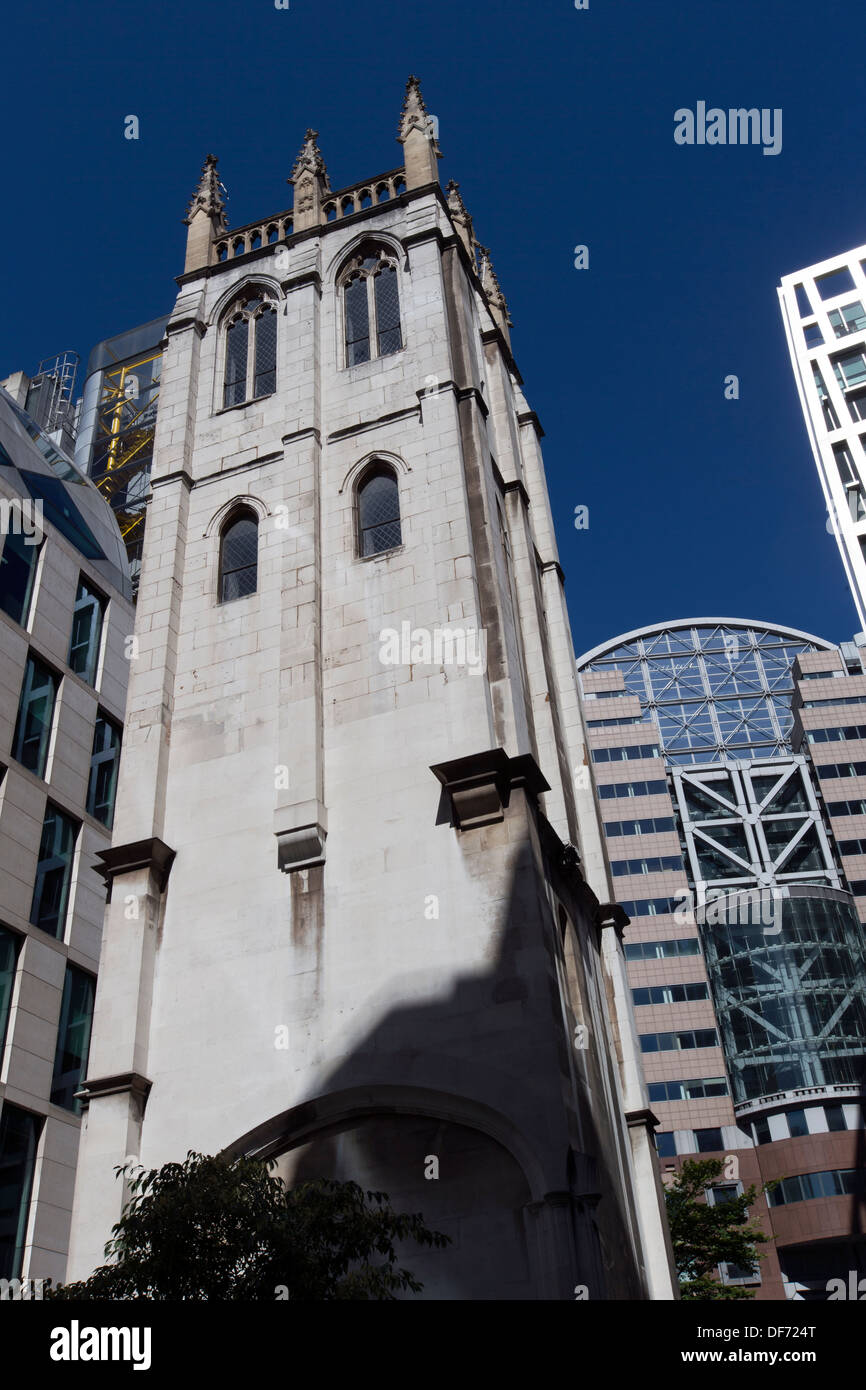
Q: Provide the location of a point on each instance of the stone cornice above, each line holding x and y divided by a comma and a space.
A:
478, 788
127, 1081
382, 420
153, 854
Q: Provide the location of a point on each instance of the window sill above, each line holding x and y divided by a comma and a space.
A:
242, 405
382, 554
373, 364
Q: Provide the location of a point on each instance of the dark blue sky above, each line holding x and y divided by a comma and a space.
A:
558, 125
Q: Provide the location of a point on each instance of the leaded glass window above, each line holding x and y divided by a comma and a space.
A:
387, 311
265, 326
371, 307
250, 350
357, 323
379, 512
239, 557
236, 362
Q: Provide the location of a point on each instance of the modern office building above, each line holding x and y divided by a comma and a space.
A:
49, 398
65, 615
116, 424
745, 947
347, 810
825, 325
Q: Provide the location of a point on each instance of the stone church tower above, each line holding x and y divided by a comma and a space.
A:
350, 923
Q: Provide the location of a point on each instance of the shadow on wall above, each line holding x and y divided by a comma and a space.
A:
485, 1088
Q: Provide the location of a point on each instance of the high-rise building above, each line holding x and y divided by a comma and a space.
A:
825, 325
116, 425
65, 614
745, 949
350, 925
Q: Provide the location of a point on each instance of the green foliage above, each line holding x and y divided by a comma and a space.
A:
704, 1236
224, 1229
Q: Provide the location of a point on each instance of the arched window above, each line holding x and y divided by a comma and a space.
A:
378, 511
250, 349
239, 547
371, 306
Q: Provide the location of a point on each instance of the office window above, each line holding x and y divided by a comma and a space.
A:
86, 636
842, 770
652, 825
104, 763
53, 872
622, 789
659, 950
849, 319
239, 562
656, 864
626, 753
804, 1187
708, 1140
836, 734
19, 1136
834, 282
611, 723
722, 1193
693, 1089
73, 1038
831, 700
761, 1131
665, 1143
9, 946
17, 573
830, 418
679, 1042
813, 335
378, 511
847, 808
857, 405
835, 1117
797, 1125
650, 907
669, 994
35, 713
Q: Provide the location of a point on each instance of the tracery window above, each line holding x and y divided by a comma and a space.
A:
250, 349
371, 299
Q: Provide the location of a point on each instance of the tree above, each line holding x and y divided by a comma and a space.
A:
225, 1229
705, 1236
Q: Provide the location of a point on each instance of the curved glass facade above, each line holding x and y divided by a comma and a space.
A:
715, 688
790, 997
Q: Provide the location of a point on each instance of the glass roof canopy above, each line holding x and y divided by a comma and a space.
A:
714, 687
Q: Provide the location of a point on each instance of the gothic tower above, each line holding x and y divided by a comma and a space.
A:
359, 909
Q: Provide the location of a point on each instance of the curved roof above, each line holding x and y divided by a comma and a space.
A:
73, 505
715, 688
675, 624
